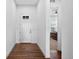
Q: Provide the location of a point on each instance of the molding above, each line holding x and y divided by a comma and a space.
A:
25, 42
43, 52
10, 50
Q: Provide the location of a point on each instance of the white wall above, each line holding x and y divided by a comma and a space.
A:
48, 23
41, 12
66, 25
10, 26
59, 29
31, 12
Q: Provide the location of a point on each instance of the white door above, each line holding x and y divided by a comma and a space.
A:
25, 32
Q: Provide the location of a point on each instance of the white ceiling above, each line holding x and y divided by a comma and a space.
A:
27, 2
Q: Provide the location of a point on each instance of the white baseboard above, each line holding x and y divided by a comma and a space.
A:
41, 50
10, 50
25, 42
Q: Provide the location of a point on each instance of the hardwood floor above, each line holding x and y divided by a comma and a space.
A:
26, 51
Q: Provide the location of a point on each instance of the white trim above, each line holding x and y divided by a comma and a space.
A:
25, 42
10, 50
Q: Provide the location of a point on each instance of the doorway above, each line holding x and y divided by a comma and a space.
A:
55, 53
53, 36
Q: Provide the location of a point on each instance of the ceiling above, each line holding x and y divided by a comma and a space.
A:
27, 2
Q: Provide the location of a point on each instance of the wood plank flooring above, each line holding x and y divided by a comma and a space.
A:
26, 51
